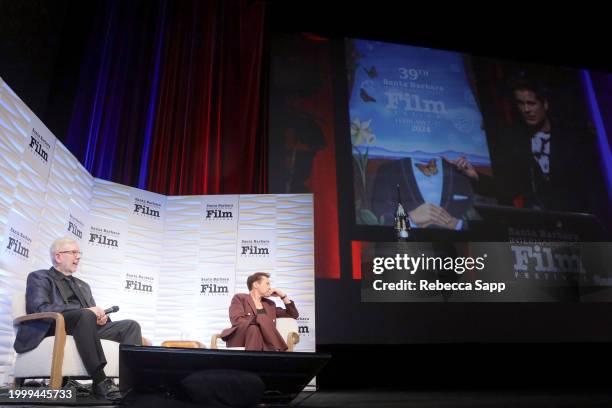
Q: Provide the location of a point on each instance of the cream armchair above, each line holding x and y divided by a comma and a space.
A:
286, 326
56, 356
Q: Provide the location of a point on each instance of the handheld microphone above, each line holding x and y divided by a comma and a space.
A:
111, 310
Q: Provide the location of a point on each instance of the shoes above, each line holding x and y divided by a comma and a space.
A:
107, 390
82, 391
34, 384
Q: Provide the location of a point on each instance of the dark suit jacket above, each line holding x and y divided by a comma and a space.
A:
243, 313
457, 192
518, 175
43, 294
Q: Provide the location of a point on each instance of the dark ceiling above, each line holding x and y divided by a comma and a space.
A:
576, 37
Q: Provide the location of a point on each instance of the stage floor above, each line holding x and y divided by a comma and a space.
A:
455, 399
377, 398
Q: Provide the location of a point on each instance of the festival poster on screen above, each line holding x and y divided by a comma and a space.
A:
409, 103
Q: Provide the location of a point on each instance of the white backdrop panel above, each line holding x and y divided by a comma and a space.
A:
171, 263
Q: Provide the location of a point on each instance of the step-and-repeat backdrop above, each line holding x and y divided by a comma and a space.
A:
172, 263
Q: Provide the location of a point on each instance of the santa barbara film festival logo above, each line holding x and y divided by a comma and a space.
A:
547, 261
258, 248
39, 146
303, 326
218, 212
146, 208
214, 286
137, 283
75, 226
18, 244
103, 238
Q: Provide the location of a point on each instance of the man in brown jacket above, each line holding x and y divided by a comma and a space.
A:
253, 317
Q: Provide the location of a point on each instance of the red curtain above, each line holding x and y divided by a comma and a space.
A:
208, 136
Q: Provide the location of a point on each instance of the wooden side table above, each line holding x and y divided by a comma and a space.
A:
183, 344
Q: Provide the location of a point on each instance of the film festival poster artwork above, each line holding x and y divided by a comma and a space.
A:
417, 115
413, 114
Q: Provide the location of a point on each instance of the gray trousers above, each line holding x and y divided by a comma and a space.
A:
81, 324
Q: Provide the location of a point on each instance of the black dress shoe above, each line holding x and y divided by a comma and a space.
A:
107, 390
82, 390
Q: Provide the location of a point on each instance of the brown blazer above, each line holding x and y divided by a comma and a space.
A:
243, 313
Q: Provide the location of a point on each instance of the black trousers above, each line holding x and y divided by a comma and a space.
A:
81, 324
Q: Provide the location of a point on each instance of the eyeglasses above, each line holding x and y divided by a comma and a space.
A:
73, 253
